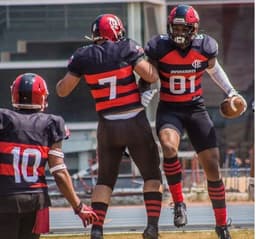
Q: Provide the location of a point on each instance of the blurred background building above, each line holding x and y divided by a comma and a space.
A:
40, 36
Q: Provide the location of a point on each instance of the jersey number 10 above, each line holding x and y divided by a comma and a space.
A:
24, 158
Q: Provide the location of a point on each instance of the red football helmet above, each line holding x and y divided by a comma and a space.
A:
107, 26
182, 26
29, 91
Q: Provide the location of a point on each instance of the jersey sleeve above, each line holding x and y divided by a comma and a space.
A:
151, 48
210, 47
131, 51
5, 122
1, 121
57, 129
75, 65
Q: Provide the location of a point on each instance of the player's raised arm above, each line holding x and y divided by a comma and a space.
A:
67, 84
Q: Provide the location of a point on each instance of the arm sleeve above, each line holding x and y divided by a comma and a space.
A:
132, 52
210, 47
1, 122
151, 49
75, 64
57, 129
219, 76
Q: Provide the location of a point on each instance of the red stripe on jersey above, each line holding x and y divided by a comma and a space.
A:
99, 93
132, 98
40, 171
119, 74
8, 170
180, 98
7, 147
38, 185
175, 58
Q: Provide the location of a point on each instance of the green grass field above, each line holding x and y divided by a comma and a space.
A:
236, 234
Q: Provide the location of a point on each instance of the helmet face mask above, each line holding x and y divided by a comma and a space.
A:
29, 91
182, 26
182, 34
107, 27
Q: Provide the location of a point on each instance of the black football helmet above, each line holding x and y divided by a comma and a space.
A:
108, 27
182, 26
29, 91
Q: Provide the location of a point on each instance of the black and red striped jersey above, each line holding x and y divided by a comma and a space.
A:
108, 71
25, 139
181, 70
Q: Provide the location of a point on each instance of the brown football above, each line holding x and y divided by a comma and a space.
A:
233, 107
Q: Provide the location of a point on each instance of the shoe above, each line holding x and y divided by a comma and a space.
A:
96, 234
180, 214
151, 232
222, 232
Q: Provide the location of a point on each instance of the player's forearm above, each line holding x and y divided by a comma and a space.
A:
65, 185
220, 78
147, 71
65, 86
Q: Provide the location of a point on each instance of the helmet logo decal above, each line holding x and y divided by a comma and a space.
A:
107, 27
114, 25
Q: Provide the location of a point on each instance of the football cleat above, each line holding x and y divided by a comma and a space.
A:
151, 232
180, 214
96, 234
222, 232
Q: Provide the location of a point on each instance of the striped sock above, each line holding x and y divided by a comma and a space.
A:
153, 202
216, 191
101, 209
173, 173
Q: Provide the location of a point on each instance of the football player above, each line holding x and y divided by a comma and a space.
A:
181, 57
107, 65
29, 140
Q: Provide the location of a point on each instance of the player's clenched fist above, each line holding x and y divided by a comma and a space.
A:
86, 214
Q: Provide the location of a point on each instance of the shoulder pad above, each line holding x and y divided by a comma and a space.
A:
1, 120
207, 45
131, 51
210, 46
164, 37
157, 46
57, 128
5, 121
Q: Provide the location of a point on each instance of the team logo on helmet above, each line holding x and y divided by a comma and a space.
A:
108, 27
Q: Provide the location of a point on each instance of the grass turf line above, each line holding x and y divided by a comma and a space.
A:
235, 233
